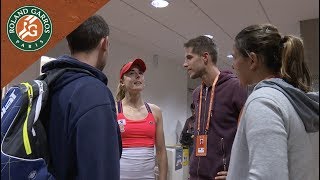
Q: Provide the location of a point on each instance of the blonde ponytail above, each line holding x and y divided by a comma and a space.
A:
294, 69
121, 92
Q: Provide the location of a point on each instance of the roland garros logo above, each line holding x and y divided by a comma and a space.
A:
29, 28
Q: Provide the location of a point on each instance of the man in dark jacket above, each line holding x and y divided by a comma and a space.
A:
187, 134
83, 135
218, 102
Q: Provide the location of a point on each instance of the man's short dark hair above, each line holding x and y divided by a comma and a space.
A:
203, 44
87, 36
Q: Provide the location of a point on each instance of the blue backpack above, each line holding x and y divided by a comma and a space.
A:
24, 147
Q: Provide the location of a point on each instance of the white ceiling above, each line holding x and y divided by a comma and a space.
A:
163, 31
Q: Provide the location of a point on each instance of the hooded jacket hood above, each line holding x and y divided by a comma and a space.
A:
68, 61
305, 104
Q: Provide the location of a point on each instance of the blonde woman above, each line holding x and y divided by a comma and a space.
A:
141, 127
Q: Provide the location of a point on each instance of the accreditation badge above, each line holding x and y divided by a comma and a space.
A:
122, 123
201, 145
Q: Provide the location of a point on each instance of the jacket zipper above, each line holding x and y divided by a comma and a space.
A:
205, 108
224, 161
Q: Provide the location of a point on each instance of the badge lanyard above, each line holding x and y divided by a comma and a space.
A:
201, 141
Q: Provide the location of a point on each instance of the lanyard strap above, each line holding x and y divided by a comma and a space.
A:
210, 105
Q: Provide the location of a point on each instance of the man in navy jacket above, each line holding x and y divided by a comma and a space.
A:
83, 135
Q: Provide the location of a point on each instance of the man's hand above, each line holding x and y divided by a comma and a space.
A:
221, 175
